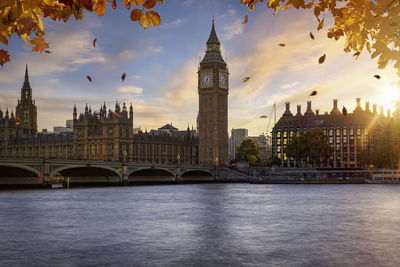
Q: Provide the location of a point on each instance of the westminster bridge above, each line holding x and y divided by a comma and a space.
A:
36, 171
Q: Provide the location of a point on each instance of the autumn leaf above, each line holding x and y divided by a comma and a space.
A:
138, 2
48, 51
344, 111
263, 116
149, 4
4, 57
313, 93
143, 21
246, 18
89, 78
94, 42
377, 76
322, 59
27, 25
87, 4
321, 24
114, 4
356, 54
40, 44
245, 79
312, 36
100, 7
282, 45
123, 76
136, 14
153, 18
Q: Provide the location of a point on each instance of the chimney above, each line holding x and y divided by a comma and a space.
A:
287, 111
367, 106
388, 113
381, 110
374, 108
334, 103
358, 102
298, 110
309, 106
317, 112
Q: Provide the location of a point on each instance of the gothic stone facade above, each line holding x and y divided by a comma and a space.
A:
213, 88
97, 135
348, 134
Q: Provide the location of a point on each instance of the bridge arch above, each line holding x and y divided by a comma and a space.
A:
16, 174
19, 166
87, 173
152, 174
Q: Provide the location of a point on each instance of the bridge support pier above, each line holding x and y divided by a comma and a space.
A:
46, 172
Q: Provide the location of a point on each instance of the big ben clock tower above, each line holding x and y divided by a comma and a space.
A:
26, 111
213, 84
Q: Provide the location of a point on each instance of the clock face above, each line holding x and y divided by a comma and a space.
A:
206, 79
222, 79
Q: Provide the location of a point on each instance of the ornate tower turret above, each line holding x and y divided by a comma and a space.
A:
75, 115
213, 89
131, 112
26, 111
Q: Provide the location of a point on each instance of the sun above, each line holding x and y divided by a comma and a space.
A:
390, 95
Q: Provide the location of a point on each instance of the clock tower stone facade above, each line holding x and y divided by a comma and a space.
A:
213, 88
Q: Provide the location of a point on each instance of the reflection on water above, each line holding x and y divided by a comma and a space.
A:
202, 225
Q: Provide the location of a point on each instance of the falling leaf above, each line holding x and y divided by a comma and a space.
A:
4, 57
356, 54
94, 42
246, 18
40, 44
282, 45
48, 51
344, 111
245, 79
322, 59
136, 14
263, 116
313, 93
123, 76
312, 36
377, 76
149, 4
114, 4
89, 78
153, 18
100, 7
321, 24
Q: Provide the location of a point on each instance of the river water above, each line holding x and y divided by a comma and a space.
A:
202, 225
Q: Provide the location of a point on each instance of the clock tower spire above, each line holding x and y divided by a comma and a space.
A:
213, 89
26, 111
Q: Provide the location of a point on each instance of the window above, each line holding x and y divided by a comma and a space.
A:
331, 140
351, 132
330, 132
278, 149
278, 134
284, 134
337, 140
358, 131
344, 132
291, 133
278, 141
284, 141
337, 132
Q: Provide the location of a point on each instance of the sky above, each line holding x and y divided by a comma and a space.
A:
161, 65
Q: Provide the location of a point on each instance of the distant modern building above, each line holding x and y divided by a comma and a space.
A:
348, 134
69, 127
237, 137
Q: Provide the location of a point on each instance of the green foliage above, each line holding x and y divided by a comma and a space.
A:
273, 161
248, 151
309, 146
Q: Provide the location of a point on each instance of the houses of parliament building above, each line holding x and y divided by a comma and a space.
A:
108, 134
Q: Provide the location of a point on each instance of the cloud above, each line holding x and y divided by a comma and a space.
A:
289, 85
71, 50
130, 89
233, 30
